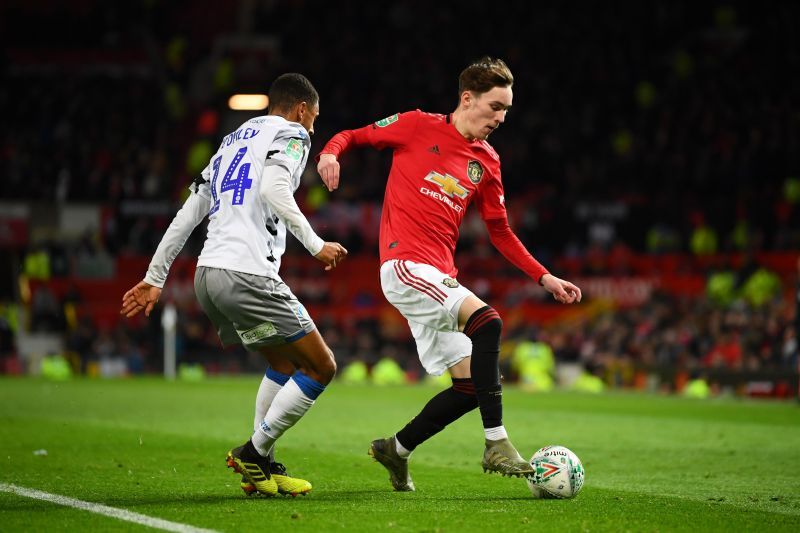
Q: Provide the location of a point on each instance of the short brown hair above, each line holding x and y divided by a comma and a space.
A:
484, 75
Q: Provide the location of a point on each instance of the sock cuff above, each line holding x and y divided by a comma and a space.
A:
309, 386
464, 386
495, 433
480, 318
401, 448
278, 377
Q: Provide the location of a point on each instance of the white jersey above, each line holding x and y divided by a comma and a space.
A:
244, 234
247, 192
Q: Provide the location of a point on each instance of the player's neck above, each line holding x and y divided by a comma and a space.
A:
286, 115
460, 124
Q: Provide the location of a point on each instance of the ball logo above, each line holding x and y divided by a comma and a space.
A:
545, 470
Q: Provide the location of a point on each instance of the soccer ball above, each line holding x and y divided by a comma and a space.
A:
559, 473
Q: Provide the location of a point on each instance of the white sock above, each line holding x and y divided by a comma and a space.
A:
401, 450
271, 384
498, 433
266, 393
288, 406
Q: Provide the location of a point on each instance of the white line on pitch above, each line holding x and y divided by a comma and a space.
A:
121, 514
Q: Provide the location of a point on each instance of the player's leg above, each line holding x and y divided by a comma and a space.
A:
263, 315
427, 297
482, 324
315, 369
438, 349
272, 382
443, 409
276, 376
429, 300
209, 283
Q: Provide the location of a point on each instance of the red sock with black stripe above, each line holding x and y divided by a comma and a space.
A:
484, 328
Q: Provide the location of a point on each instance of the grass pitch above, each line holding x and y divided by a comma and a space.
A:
157, 448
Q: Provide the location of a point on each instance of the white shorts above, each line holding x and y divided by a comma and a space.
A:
430, 301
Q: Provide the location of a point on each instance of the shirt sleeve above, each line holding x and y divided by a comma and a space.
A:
512, 249
194, 210
277, 192
390, 132
492, 204
200, 185
491, 198
289, 149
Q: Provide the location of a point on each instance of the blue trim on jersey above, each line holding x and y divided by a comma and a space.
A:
310, 387
278, 377
303, 135
297, 336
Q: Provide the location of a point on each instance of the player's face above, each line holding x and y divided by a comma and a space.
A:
309, 116
488, 110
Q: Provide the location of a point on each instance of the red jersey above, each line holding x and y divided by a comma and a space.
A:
436, 173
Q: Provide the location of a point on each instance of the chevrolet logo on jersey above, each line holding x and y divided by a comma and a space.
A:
447, 184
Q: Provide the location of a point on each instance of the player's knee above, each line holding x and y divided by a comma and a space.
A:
326, 367
485, 322
495, 326
331, 367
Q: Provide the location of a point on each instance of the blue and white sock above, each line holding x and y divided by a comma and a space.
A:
288, 406
272, 382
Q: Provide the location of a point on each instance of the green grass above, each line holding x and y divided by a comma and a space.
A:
652, 463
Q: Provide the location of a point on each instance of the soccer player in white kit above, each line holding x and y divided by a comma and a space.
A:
247, 192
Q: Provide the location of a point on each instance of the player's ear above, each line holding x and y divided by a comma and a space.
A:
302, 109
466, 99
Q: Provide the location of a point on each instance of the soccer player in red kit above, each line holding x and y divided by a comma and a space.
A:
441, 164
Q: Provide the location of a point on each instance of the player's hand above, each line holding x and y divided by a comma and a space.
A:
142, 296
563, 291
328, 168
332, 254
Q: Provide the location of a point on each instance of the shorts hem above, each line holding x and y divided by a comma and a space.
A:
297, 336
446, 366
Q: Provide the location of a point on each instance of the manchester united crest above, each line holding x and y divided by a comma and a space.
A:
474, 171
450, 282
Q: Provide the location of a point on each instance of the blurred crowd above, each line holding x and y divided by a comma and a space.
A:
656, 127
721, 334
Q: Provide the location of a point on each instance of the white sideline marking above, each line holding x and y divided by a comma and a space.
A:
121, 514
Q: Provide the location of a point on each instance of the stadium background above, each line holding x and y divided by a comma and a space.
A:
652, 156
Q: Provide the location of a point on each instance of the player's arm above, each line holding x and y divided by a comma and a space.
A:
508, 244
276, 191
491, 202
287, 156
144, 295
391, 132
